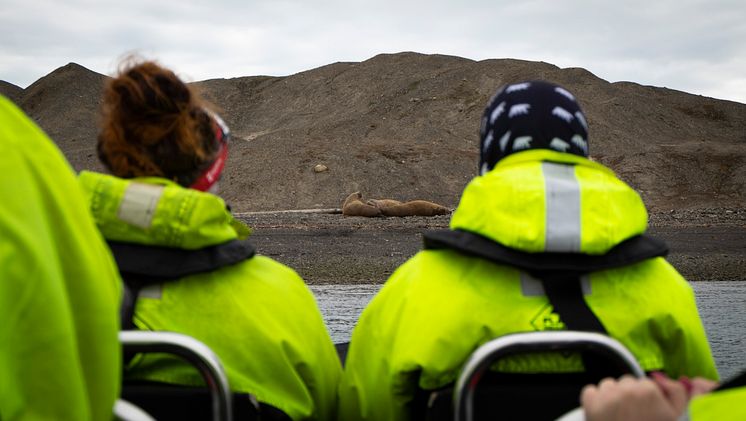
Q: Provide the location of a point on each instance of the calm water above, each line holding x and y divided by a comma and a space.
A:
722, 306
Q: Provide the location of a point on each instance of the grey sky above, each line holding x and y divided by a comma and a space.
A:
697, 46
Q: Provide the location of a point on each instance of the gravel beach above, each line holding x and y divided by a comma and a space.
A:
329, 248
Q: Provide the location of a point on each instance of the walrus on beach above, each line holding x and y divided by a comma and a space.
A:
383, 203
354, 206
415, 208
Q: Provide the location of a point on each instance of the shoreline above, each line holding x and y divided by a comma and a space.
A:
328, 248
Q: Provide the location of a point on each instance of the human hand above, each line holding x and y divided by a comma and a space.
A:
695, 386
630, 398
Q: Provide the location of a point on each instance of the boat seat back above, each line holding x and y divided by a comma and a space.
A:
172, 402
481, 393
167, 402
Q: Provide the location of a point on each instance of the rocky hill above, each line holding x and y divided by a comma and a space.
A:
10, 90
405, 126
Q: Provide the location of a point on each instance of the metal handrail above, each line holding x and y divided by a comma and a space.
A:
486, 355
126, 411
194, 352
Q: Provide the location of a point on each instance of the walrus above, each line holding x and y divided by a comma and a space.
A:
354, 206
383, 203
415, 208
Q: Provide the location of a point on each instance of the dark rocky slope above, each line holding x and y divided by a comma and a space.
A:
405, 126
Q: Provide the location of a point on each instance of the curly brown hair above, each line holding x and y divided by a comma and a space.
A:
153, 124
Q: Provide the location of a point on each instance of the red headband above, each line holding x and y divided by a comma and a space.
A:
212, 173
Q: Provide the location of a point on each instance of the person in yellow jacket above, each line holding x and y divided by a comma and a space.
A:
720, 405
59, 296
181, 248
662, 399
537, 194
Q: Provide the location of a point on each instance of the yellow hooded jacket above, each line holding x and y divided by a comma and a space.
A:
60, 357
720, 405
439, 306
257, 315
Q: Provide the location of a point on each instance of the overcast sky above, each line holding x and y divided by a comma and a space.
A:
697, 46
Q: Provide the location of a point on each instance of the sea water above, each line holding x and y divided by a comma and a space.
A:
722, 307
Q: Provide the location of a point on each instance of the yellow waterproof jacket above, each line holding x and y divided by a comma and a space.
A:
258, 316
59, 296
720, 405
439, 306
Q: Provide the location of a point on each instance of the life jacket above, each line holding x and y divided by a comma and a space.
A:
559, 272
142, 266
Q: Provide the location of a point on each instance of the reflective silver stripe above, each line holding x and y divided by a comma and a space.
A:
563, 208
532, 287
152, 291
139, 203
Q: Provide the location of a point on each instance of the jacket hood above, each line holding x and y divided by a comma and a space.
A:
546, 201
156, 211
